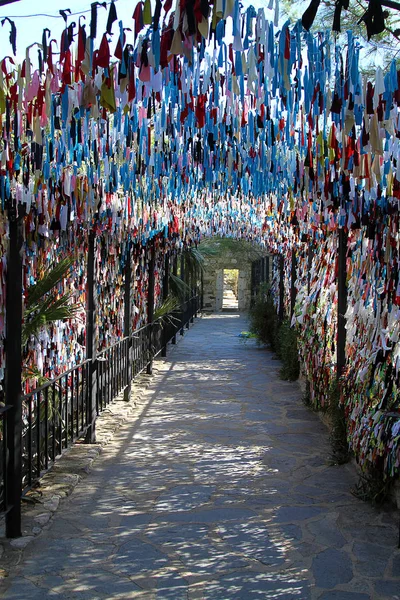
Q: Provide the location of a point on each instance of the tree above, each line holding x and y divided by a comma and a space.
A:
342, 15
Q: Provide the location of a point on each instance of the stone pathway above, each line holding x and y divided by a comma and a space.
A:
219, 491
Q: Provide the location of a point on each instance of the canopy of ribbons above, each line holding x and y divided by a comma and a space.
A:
202, 119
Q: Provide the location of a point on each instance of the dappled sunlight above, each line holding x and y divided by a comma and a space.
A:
219, 489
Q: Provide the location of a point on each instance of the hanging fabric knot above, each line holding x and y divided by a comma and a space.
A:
46, 33
338, 11
373, 18
93, 17
309, 15
13, 34
112, 17
64, 12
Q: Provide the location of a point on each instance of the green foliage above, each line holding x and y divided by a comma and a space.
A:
280, 337
194, 261
179, 289
381, 49
165, 310
216, 245
288, 352
372, 487
44, 306
231, 279
338, 436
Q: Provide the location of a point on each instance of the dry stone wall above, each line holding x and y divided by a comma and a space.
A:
239, 257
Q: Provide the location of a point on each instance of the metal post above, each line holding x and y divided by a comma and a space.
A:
309, 265
293, 277
150, 305
91, 349
13, 376
127, 319
175, 272
281, 287
267, 269
165, 296
192, 284
201, 290
262, 270
342, 303
184, 296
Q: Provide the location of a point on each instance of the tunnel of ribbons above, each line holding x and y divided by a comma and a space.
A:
196, 120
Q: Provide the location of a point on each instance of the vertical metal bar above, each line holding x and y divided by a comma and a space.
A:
293, 278
76, 375
165, 296
342, 303
281, 287
38, 440
72, 405
150, 305
30, 441
13, 385
267, 269
83, 411
46, 420
60, 431
5, 445
66, 411
184, 293
55, 417
91, 338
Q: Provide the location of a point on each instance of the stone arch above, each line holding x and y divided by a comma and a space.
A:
226, 253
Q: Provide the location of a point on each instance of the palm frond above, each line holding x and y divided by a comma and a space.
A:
170, 304
49, 280
178, 288
51, 310
194, 260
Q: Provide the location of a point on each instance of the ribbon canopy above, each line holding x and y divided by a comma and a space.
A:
205, 119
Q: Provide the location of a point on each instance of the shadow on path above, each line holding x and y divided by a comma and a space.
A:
220, 490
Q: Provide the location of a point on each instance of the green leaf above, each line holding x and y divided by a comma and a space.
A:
51, 310
50, 280
178, 288
170, 304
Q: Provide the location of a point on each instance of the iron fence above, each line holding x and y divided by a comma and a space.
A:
4, 412
54, 416
59, 412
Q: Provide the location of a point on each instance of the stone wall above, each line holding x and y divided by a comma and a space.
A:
237, 255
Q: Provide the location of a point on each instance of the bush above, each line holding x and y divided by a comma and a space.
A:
288, 352
280, 337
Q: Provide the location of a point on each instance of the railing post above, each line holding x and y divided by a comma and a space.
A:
293, 277
183, 277
91, 346
202, 290
165, 296
281, 287
175, 272
262, 270
13, 375
127, 320
150, 305
342, 303
267, 269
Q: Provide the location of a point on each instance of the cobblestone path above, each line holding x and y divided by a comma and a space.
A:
221, 490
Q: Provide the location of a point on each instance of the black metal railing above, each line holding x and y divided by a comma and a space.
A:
113, 373
59, 412
4, 412
54, 416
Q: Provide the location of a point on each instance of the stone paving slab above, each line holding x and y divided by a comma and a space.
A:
215, 486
